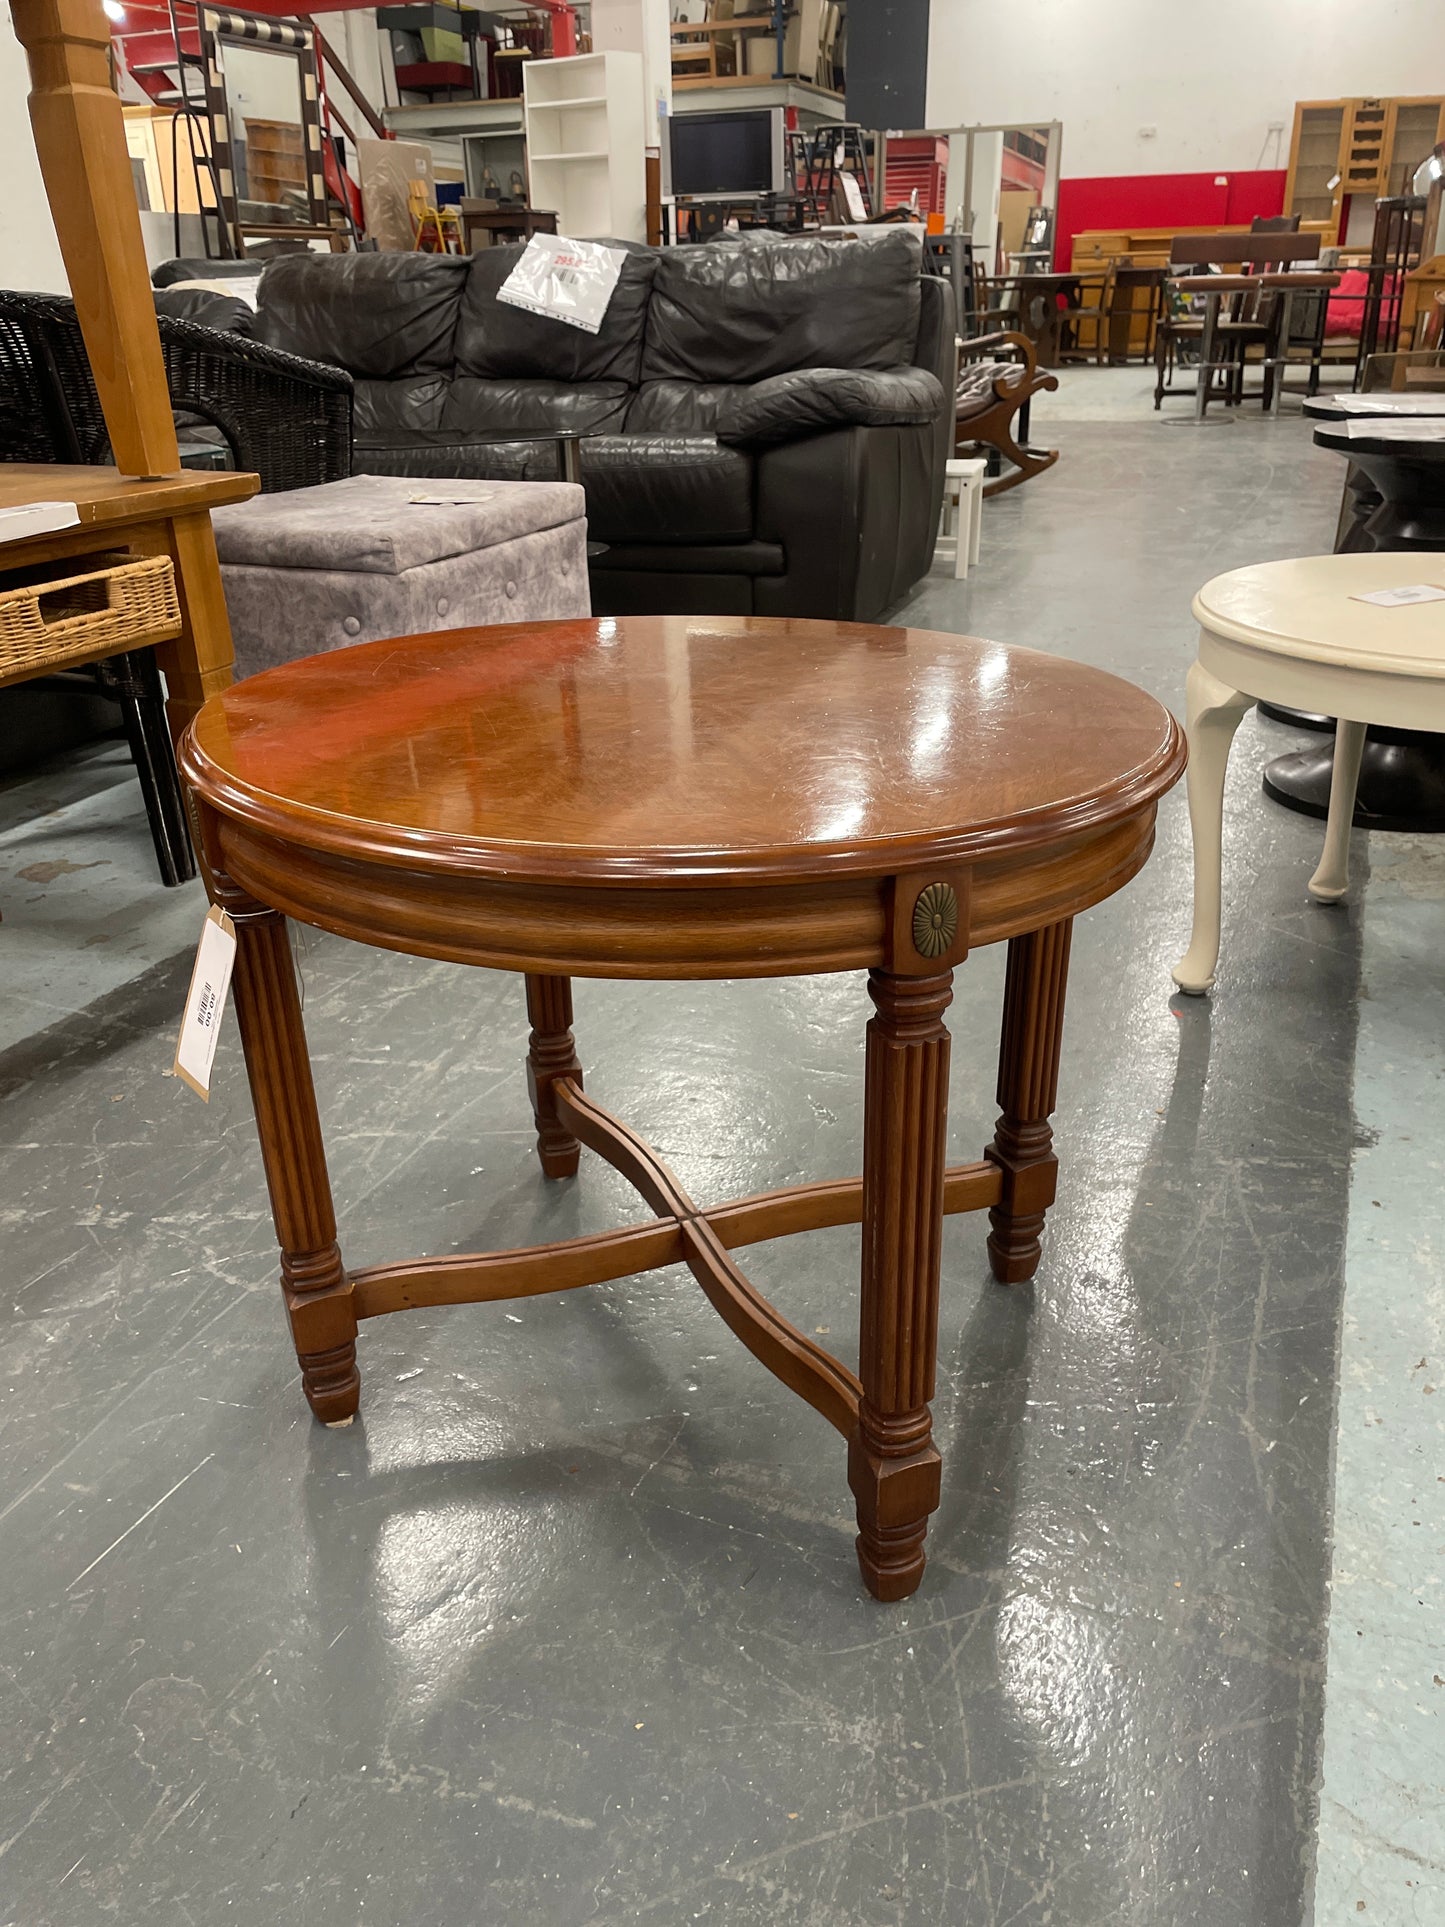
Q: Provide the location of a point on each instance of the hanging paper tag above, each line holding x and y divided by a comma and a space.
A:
206, 1002
570, 281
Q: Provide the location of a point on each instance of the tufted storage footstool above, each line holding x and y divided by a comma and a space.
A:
314, 569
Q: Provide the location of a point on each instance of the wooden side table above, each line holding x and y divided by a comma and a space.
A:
147, 503
169, 515
486, 226
1290, 633
653, 798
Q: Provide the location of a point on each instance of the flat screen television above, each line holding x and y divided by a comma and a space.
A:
725, 156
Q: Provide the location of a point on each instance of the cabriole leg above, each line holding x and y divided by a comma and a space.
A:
1332, 879
1213, 716
893, 1467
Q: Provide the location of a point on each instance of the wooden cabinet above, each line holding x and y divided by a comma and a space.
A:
1365, 147
275, 160
171, 151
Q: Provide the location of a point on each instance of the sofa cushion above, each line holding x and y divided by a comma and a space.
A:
386, 408
367, 524
810, 399
677, 407
734, 310
497, 407
201, 302
982, 383
667, 488
451, 455
380, 315
494, 338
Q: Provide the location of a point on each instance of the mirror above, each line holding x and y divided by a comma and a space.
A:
268, 135
262, 99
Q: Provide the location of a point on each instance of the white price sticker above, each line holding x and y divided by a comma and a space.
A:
206, 1002
1396, 598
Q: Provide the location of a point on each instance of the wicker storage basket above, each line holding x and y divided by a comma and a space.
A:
119, 602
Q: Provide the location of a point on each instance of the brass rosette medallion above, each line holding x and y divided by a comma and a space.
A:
935, 920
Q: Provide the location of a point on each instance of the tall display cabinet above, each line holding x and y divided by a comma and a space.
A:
1364, 147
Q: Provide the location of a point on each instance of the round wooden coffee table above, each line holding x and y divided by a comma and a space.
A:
674, 797
1293, 633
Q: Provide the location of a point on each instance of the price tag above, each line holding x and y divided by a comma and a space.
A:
206, 1002
1396, 598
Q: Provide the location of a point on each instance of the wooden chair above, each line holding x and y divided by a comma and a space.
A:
989, 397
436, 230
991, 304
1099, 312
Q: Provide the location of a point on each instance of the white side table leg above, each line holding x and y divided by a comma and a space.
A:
1212, 717
975, 516
1331, 880
963, 522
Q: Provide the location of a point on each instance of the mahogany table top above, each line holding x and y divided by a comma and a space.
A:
673, 749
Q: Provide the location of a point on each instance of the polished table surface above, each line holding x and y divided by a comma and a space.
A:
689, 797
672, 748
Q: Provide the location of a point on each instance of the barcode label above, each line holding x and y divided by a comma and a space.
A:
206, 1002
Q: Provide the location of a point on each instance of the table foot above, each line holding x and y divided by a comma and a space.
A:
1401, 782
1028, 1081
551, 1054
893, 1468
896, 1485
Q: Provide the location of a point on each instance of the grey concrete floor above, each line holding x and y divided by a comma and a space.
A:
567, 1627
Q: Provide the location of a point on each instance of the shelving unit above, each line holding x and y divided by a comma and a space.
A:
1360, 149
585, 144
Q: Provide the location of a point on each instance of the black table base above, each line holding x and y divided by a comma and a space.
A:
1393, 500
1401, 787
1297, 718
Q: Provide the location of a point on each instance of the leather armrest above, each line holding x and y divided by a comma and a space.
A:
809, 400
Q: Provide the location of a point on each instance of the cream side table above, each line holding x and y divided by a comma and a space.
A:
1291, 633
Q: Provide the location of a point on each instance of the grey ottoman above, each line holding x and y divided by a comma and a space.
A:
313, 569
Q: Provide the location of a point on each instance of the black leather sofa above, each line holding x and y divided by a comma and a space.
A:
766, 420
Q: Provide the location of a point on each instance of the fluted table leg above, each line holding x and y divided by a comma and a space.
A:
1028, 1083
313, 1281
893, 1467
551, 1054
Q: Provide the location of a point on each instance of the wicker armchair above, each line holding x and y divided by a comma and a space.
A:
284, 419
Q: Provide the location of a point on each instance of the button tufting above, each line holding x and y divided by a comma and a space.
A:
511, 588
442, 605
352, 625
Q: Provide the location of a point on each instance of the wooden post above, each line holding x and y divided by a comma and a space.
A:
893, 1467
80, 139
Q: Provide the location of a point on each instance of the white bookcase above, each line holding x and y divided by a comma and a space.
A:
585, 144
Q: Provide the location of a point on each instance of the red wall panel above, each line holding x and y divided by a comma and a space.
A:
1163, 200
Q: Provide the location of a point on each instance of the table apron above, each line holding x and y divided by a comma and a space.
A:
1395, 700
669, 932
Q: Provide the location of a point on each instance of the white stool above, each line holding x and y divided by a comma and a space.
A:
958, 538
1293, 633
